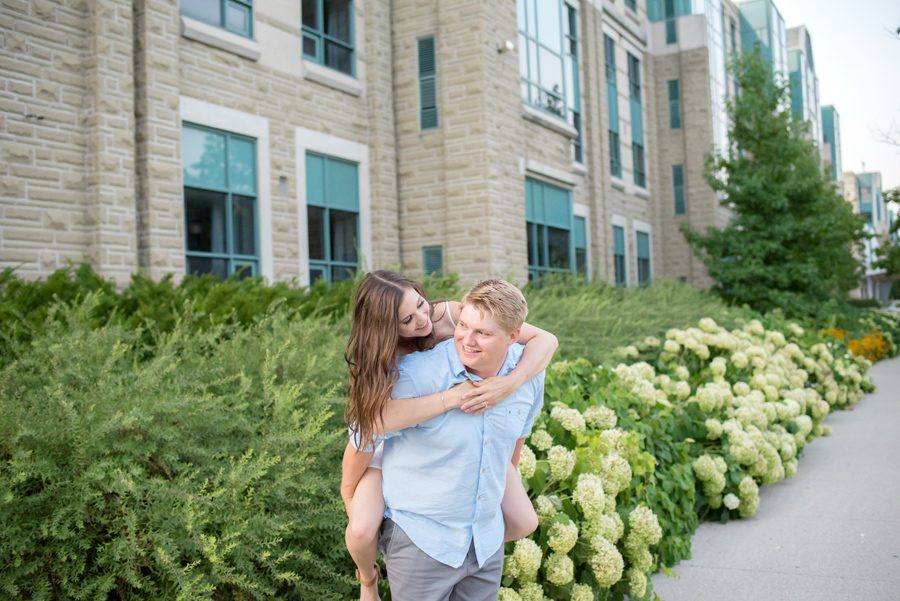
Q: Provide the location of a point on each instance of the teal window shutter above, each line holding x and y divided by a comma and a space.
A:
580, 242
619, 255
643, 257
612, 103
549, 228
678, 188
428, 113
674, 104
433, 260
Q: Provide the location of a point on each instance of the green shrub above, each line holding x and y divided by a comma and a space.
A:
209, 470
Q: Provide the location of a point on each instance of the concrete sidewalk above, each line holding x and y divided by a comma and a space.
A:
832, 533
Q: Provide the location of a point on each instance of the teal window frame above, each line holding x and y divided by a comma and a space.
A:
637, 121
548, 213
565, 103
579, 239
426, 56
612, 101
671, 26
245, 6
242, 263
632, 4
328, 202
433, 260
640, 165
316, 34
674, 87
620, 263
678, 189
644, 266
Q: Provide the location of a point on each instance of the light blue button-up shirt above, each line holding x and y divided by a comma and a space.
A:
444, 478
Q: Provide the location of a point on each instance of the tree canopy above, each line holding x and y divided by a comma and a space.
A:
790, 243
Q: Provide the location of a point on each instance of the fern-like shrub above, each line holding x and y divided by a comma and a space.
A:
206, 471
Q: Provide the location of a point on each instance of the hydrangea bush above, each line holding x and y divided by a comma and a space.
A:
626, 460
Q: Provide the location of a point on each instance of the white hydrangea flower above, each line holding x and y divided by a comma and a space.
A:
527, 462
606, 563
545, 508
570, 419
508, 594
718, 366
608, 525
651, 341
739, 360
582, 592
749, 493
600, 417
731, 501
637, 583
561, 460
532, 592
795, 329
682, 373
707, 324
616, 473
713, 429
562, 536
541, 440
526, 560
589, 495
559, 569
644, 525
670, 346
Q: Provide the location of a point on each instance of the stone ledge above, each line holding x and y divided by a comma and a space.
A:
536, 116
331, 78
219, 38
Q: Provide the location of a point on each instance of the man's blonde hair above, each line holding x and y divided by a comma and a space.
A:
501, 300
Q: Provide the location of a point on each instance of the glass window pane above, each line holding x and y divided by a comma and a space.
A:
523, 56
529, 228
339, 273
203, 157
552, 79
558, 243
244, 225
205, 220
315, 273
520, 15
310, 46
245, 269
541, 231
341, 185
338, 57
237, 18
549, 26
316, 228
581, 261
201, 265
336, 19
242, 165
343, 236
308, 10
203, 10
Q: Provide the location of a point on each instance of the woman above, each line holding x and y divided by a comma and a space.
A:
391, 318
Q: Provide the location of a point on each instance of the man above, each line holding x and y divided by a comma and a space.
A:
444, 478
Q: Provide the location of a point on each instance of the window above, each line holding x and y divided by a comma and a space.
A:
432, 260
332, 209
674, 104
643, 258
637, 121
220, 209
632, 4
548, 60
428, 115
612, 101
637, 157
671, 29
580, 233
619, 255
328, 33
235, 16
678, 188
548, 215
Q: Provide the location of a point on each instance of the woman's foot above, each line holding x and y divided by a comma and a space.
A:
368, 587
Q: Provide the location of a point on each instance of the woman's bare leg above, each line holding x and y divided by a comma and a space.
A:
518, 512
366, 513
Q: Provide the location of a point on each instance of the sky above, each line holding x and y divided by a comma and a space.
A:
858, 65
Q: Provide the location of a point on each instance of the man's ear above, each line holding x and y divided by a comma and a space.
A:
513, 336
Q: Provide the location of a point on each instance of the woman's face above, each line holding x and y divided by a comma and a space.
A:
415, 315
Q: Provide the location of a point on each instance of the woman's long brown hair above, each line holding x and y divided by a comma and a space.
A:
371, 352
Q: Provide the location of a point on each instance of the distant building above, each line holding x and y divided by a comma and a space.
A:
804, 83
864, 192
831, 144
762, 26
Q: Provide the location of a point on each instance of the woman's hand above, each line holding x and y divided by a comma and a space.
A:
487, 393
456, 396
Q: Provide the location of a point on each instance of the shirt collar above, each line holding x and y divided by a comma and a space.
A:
459, 370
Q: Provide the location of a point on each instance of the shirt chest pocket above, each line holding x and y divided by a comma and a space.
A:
508, 420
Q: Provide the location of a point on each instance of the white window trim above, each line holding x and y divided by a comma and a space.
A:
307, 140
544, 171
219, 38
621, 222
331, 78
584, 211
252, 126
646, 228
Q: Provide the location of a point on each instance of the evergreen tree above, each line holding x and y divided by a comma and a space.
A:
791, 240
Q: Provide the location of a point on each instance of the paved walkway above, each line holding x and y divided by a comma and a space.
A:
832, 533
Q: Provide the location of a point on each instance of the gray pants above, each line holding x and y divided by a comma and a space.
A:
415, 576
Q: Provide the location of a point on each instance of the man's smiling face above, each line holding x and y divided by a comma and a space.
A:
480, 342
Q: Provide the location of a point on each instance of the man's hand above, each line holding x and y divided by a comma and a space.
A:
487, 393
